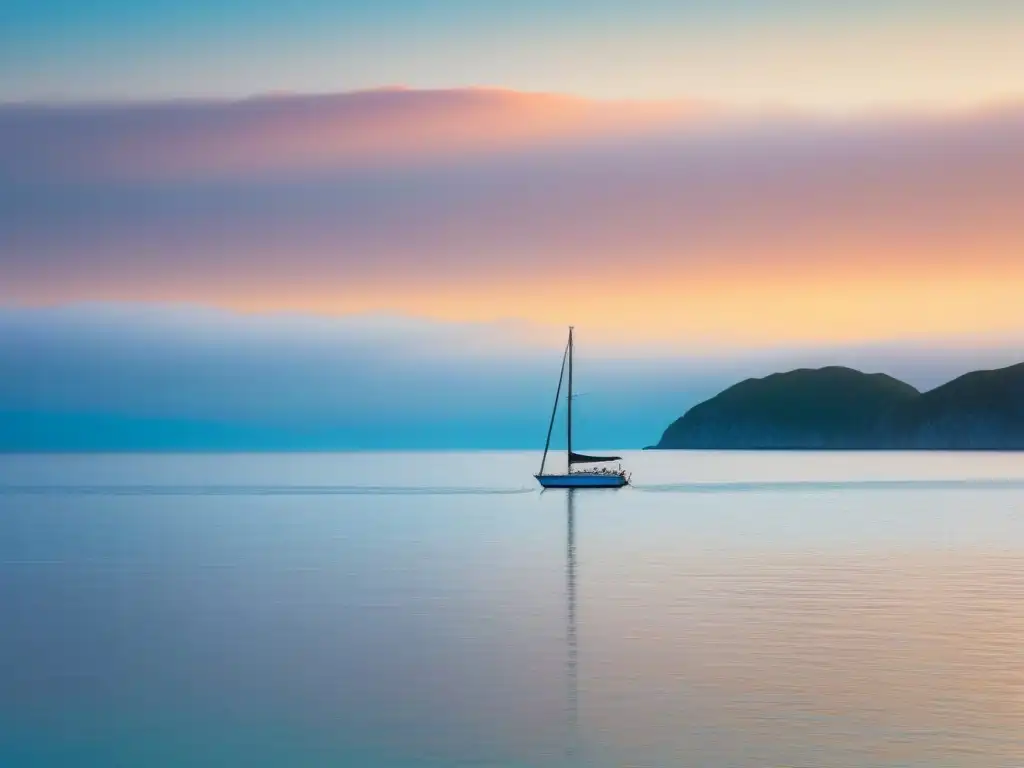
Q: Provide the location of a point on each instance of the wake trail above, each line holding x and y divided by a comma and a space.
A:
252, 490
797, 486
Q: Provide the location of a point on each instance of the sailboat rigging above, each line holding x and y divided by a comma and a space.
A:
592, 478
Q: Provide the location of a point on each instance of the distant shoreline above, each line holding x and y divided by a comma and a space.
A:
842, 409
835, 450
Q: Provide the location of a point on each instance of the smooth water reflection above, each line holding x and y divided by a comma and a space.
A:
872, 613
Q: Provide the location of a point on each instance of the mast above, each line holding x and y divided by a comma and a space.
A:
568, 442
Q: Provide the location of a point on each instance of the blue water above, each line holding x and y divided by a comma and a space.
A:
412, 610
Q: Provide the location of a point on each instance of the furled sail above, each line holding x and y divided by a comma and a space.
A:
582, 458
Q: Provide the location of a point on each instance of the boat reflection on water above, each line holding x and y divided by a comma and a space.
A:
572, 682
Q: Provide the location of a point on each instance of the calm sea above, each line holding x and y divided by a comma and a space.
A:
732, 610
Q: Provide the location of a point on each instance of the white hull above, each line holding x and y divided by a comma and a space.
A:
582, 480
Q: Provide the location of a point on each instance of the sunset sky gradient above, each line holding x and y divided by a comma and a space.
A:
828, 54
682, 184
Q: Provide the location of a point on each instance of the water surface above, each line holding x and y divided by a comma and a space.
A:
415, 610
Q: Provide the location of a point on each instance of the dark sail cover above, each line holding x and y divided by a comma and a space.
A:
582, 458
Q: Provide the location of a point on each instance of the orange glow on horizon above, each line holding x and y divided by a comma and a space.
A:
767, 307
797, 232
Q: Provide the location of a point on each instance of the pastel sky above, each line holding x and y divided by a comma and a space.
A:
707, 191
828, 53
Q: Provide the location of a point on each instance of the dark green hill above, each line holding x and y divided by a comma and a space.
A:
839, 408
823, 408
983, 410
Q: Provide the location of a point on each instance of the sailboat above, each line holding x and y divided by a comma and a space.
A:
587, 478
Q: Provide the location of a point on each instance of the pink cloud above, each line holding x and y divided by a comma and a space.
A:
296, 133
775, 229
